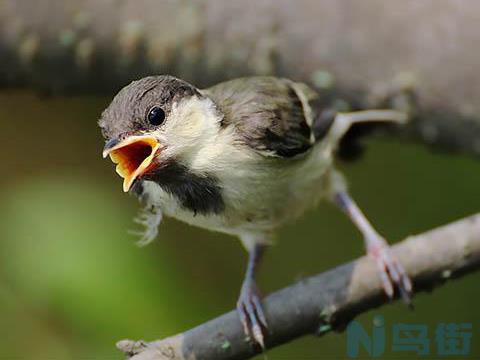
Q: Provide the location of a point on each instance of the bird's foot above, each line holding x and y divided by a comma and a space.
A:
391, 271
250, 310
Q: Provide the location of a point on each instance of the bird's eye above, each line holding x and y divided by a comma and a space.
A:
156, 116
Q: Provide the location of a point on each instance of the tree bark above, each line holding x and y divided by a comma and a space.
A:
327, 301
420, 56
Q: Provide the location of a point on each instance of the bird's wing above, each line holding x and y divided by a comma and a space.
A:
274, 116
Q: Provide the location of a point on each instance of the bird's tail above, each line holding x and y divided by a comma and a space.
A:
343, 131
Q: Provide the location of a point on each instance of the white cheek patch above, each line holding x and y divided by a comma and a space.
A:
191, 124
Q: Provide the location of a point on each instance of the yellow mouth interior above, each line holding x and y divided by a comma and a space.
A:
133, 157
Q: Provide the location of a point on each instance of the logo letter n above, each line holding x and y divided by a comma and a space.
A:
357, 336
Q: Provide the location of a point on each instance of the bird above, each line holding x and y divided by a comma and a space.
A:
242, 157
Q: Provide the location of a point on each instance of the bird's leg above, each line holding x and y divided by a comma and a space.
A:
249, 305
391, 271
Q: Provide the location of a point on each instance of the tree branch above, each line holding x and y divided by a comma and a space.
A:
363, 52
326, 301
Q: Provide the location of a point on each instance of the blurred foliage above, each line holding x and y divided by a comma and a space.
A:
72, 281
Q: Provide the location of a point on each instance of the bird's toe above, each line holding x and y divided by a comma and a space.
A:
252, 315
392, 273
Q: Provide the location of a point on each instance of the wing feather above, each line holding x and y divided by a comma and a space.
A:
272, 115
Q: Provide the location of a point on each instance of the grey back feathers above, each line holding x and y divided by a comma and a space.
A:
272, 115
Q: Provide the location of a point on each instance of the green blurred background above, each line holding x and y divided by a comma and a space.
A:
73, 282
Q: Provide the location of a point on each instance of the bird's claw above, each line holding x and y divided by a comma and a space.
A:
391, 271
252, 316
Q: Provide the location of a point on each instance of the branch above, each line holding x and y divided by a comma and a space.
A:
363, 52
326, 301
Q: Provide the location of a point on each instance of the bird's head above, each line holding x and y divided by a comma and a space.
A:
153, 121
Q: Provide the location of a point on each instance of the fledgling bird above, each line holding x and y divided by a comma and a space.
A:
242, 157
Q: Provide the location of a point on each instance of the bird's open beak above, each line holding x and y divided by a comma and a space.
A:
133, 156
